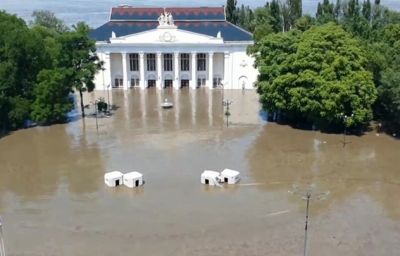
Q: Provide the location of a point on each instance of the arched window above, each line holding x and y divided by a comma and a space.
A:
243, 83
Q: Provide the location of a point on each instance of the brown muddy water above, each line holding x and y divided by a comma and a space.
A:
53, 200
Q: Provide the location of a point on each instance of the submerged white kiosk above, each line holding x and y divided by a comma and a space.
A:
133, 179
230, 176
113, 179
210, 178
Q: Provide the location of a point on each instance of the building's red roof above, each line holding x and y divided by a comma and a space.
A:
129, 13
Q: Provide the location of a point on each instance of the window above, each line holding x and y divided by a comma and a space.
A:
134, 81
217, 81
201, 82
185, 62
151, 62
134, 61
167, 62
118, 82
201, 62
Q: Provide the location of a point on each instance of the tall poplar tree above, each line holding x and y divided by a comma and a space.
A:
275, 12
231, 11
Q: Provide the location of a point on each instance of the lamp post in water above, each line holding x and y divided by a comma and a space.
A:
2, 248
345, 117
308, 196
108, 97
226, 103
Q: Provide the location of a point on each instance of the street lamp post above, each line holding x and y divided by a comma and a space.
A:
345, 117
308, 197
108, 97
2, 248
227, 103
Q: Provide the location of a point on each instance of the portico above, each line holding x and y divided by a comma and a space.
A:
166, 69
170, 53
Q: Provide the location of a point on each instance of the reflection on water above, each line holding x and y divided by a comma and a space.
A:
53, 199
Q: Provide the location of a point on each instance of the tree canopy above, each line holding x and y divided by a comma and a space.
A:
40, 66
317, 76
371, 32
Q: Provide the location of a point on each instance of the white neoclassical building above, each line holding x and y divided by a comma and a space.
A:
173, 47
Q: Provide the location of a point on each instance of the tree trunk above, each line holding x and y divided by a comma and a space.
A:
82, 106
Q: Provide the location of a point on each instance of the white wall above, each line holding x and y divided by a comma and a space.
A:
218, 65
242, 68
116, 67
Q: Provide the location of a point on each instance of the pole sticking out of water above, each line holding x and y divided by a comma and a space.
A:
307, 196
2, 248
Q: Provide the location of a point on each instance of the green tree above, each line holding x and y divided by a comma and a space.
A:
52, 101
304, 23
316, 77
389, 99
231, 11
366, 10
384, 62
276, 16
48, 20
325, 12
337, 10
79, 55
296, 11
261, 23
22, 58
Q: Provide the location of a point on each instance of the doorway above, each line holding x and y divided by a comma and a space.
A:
151, 83
184, 83
117, 183
207, 181
167, 83
137, 183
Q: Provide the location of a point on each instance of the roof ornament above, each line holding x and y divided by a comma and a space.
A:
166, 19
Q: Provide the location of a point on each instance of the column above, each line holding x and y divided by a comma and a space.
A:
210, 108
193, 67
176, 70
125, 70
159, 67
141, 71
226, 70
210, 69
107, 80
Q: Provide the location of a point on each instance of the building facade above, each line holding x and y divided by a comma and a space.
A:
173, 48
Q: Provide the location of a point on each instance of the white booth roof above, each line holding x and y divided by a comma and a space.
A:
133, 175
209, 173
113, 175
229, 172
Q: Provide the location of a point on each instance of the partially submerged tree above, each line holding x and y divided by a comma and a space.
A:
316, 77
79, 55
52, 101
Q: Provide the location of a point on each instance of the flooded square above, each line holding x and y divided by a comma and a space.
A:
53, 199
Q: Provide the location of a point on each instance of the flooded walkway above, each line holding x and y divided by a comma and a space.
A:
53, 200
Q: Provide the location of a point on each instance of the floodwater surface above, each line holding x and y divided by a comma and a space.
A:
53, 200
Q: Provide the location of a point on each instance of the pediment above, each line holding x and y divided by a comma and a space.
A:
167, 35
